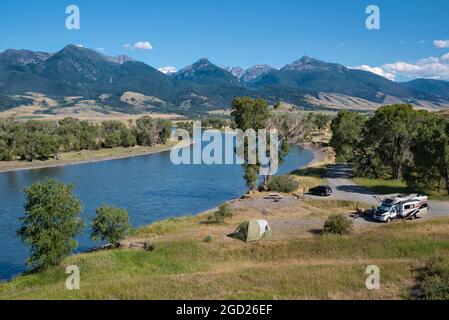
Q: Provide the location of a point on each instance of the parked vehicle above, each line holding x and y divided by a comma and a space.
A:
323, 191
402, 207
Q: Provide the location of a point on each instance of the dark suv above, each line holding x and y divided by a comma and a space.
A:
323, 191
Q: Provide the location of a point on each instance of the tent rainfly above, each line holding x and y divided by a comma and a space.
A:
252, 230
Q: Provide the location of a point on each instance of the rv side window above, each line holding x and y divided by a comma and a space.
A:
410, 206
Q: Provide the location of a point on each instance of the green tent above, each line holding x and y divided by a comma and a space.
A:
252, 230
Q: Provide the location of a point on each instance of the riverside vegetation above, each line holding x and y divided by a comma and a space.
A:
52, 221
396, 143
42, 140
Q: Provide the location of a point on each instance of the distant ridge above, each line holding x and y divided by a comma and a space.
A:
202, 86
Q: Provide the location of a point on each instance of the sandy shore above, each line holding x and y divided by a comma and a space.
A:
320, 154
130, 153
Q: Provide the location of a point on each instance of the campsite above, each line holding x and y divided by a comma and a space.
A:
214, 153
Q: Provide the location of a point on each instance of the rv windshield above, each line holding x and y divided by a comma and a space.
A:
384, 208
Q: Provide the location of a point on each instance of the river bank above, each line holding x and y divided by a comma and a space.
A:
86, 156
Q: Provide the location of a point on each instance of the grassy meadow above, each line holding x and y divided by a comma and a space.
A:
294, 264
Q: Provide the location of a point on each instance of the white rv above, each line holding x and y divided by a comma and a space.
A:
402, 207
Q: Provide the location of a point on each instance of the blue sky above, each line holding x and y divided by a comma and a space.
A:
241, 32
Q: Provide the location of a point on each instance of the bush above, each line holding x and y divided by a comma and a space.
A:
434, 279
110, 224
224, 212
337, 224
51, 222
208, 239
149, 246
284, 184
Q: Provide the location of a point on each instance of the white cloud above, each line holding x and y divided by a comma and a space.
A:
430, 68
140, 45
377, 70
441, 44
144, 45
100, 49
168, 69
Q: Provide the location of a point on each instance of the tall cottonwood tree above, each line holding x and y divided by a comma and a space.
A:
293, 129
51, 222
347, 129
431, 153
391, 131
249, 114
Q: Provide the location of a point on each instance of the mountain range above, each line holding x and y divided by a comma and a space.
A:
110, 82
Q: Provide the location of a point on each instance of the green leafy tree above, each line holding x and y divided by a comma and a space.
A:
77, 135
116, 134
51, 222
347, 130
283, 184
391, 131
5, 152
430, 154
13, 139
250, 114
150, 132
165, 128
89, 134
186, 125
320, 121
41, 146
110, 224
146, 131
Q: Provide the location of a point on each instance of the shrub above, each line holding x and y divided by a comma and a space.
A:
149, 246
208, 239
110, 224
224, 212
284, 184
51, 222
434, 279
338, 224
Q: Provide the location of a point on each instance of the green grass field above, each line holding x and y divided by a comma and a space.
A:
184, 267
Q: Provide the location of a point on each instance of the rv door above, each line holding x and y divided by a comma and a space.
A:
395, 211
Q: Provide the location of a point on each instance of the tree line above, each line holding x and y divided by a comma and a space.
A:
41, 140
397, 142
